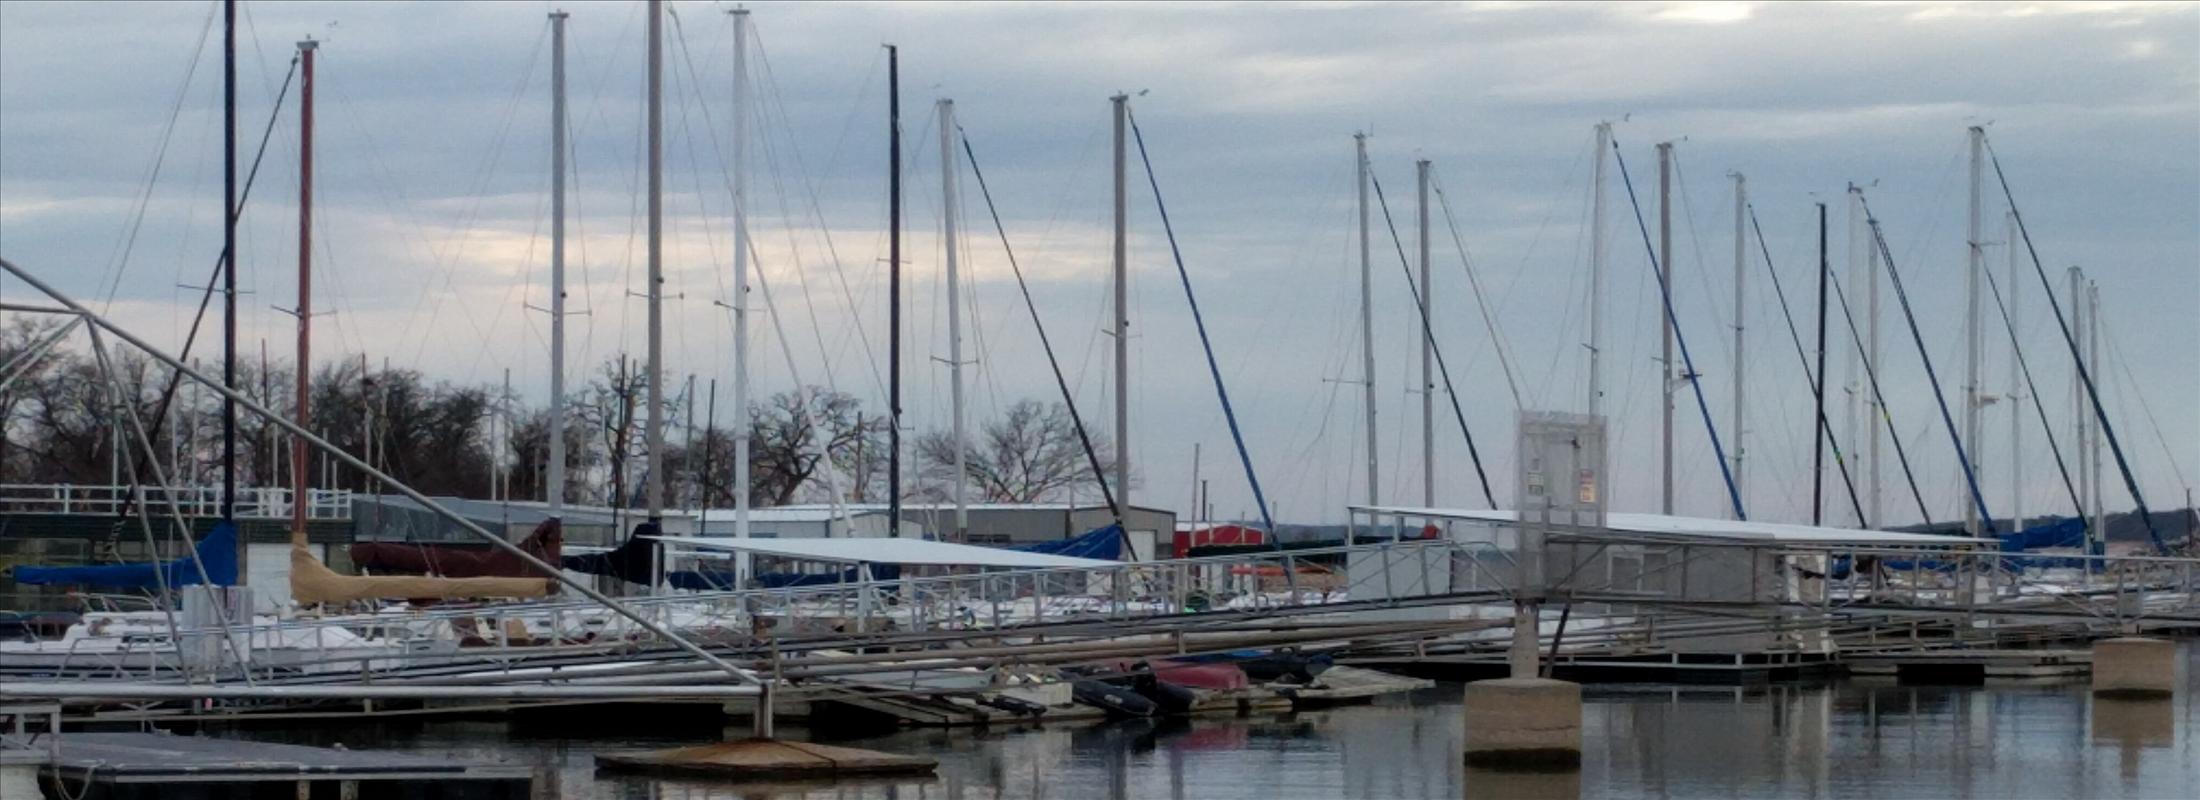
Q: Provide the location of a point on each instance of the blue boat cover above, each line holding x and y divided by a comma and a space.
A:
2060, 533
218, 552
1104, 543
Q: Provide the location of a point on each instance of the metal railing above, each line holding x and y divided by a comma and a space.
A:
193, 501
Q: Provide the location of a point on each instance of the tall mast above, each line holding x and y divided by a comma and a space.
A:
893, 293
1860, 236
741, 278
300, 489
1975, 262
1596, 270
654, 483
1367, 323
948, 171
1818, 387
229, 277
2093, 362
1666, 377
2016, 388
1120, 104
554, 474
1853, 395
1741, 261
2078, 316
1428, 347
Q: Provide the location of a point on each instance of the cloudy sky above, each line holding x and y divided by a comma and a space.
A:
432, 237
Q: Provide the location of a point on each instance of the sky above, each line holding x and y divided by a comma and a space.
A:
431, 232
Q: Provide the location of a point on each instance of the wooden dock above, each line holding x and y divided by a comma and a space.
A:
129, 766
1972, 665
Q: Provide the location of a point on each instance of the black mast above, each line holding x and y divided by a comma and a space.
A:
893, 289
1818, 388
229, 268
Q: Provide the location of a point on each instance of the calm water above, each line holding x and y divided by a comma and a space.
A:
1847, 739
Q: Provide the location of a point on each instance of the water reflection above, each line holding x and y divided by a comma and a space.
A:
1841, 740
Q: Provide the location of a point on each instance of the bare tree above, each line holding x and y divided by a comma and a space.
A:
783, 459
1028, 455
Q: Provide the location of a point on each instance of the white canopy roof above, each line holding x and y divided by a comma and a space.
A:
886, 551
1702, 527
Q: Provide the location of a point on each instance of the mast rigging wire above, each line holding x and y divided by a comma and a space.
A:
2025, 366
1084, 438
1895, 277
1733, 493
1185, 276
1803, 357
1481, 298
1429, 332
2085, 374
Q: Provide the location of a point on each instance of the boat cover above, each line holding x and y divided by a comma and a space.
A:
217, 553
631, 562
1104, 543
453, 561
312, 582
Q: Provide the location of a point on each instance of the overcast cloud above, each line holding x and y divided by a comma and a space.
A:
432, 177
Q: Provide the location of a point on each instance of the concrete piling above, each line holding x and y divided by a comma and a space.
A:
2134, 667
1524, 723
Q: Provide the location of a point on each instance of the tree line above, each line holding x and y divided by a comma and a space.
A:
64, 421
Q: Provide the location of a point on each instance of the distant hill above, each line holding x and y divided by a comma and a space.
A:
2174, 525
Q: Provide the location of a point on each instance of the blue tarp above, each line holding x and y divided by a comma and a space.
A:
713, 580
1104, 543
218, 552
2060, 533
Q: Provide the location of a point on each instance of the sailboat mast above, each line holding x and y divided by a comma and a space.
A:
1120, 106
1875, 414
1665, 291
654, 417
554, 474
1974, 263
954, 311
1741, 310
1596, 270
229, 277
741, 279
893, 291
1367, 324
299, 488
1428, 348
1818, 386
2086, 489
2016, 386
2093, 361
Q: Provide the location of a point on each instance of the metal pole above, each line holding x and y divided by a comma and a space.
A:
415, 495
1428, 347
1596, 270
2016, 387
654, 485
554, 473
2078, 316
1975, 261
740, 280
1367, 324
893, 268
1818, 447
1876, 418
229, 276
299, 487
1665, 291
1741, 311
954, 308
1120, 104
2093, 361
687, 444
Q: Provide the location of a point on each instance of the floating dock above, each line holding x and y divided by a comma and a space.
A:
767, 759
128, 766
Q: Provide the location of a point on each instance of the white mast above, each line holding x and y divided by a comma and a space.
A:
1367, 324
1854, 396
954, 312
1428, 347
1665, 297
1741, 261
1975, 263
1874, 414
1596, 270
554, 473
2016, 388
1122, 316
2078, 316
654, 483
740, 279
2093, 362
